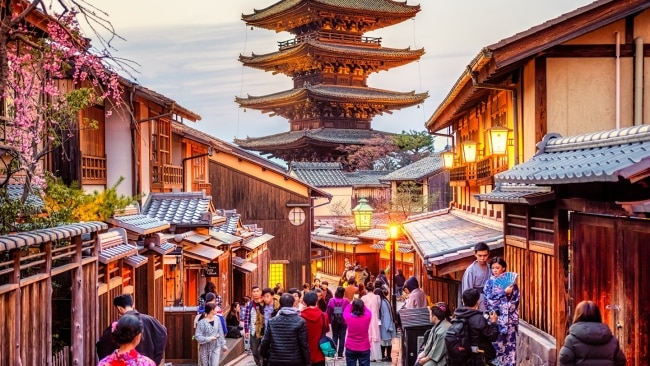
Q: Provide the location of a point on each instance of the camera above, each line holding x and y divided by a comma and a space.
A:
496, 311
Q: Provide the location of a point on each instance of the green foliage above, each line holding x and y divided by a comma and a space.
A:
413, 146
409, 200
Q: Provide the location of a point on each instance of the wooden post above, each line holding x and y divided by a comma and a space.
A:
15, 278
47, 268
78, 329
561, 254
152, 304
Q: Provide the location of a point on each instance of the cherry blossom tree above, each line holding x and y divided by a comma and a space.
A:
38, 49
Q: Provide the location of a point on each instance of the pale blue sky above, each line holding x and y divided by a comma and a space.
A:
189, 52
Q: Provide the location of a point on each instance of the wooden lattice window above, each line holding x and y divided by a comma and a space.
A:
161, 132
199, 165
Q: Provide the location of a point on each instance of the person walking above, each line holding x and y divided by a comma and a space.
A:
317, 325
435, 351
373, 302
416, 297
504, 301
399, 282
387, 326
209, 334
590, 342
481, 331
285, 341
335, 308
251, 330
477, 273
127, 334
357, 345
154, 334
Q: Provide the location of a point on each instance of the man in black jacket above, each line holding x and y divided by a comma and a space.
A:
285, 338
154, 334
481, 331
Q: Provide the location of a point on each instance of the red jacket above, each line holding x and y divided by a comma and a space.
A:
317, 324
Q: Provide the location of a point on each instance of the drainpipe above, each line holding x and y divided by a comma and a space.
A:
638, 81
618, 80
515, 118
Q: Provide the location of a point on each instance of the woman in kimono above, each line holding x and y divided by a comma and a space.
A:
372, 302
387, 328
209, 335
127, 333
504, 300
434, 352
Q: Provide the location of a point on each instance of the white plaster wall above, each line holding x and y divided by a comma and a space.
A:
642, 29
119, 151
339, 194
581, 94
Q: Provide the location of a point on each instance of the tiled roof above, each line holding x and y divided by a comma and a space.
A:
320, 174
386, 6
366, 177
254, 242
243, 265
141, 224
418, 170
444, 233
596, 157
378, 234
312, 48
330, 135
34, 200
35, 237
335, 93
183, 208
225, 237
231, 224
528, 194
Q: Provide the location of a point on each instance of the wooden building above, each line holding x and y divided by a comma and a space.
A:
577, 74
329, 61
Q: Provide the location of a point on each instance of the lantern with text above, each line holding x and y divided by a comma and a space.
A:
362, 214
469, 151
498, 139
448, 159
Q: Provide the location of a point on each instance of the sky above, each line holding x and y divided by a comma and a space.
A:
188, 51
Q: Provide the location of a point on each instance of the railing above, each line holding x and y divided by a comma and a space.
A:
327, 36
458, 174
61, 358
93, 169
200, 186
167, 176
480, 173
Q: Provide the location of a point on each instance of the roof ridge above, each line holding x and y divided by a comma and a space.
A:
556, 143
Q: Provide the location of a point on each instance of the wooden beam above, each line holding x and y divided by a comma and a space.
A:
17, 310
595, 207
561, 282
47, 248
78, 329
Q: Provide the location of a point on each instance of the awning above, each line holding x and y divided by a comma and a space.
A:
256, 241
446, 237
140, 224
113, 253
224, 237
202, 252
136, 261
402, 247
243, 265
527, 194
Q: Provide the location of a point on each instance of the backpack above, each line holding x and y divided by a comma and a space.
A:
459, 350
326, 344
337, 314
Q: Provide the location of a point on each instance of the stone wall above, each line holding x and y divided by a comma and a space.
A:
534, 347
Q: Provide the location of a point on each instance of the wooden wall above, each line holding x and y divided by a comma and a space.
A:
181, 348
439, 186
265, 204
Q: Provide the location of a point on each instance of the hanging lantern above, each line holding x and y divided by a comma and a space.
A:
448, 159
469, 151
362, 214
499, 140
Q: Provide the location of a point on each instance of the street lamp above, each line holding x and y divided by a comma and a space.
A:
448, 159
393, 231
362, 214
469, 151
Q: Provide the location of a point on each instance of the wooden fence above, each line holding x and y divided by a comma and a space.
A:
61, 358
32, 264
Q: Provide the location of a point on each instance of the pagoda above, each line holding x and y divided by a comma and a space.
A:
329, 61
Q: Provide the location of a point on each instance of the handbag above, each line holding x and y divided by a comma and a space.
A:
326, 344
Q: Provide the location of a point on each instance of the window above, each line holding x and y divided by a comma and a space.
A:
199, 165
297, 216
160, 148
276, 274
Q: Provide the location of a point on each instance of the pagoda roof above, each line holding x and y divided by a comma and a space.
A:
293, 59
289, 14
333, 93
320, 136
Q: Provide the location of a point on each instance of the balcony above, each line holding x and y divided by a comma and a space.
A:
332, 37
93, 170
480, 173
199, 186
166, 177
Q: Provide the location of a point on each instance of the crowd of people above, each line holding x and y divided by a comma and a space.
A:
290, 327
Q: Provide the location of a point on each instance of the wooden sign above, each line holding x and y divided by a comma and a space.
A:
212, 270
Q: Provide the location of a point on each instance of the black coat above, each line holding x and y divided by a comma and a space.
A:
285, 339
590, 343
152, 345
481, 332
